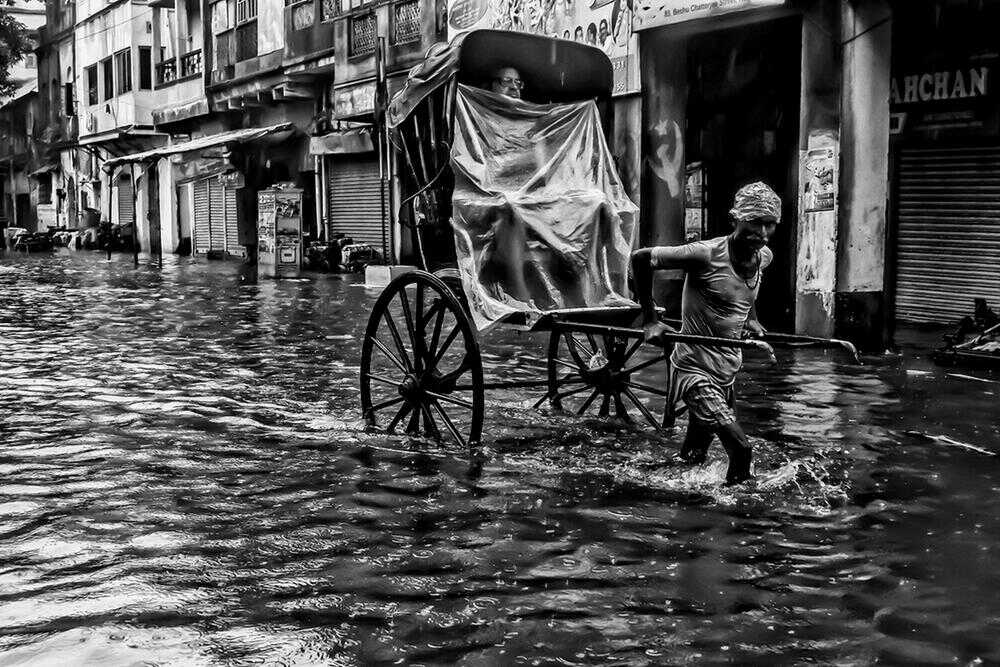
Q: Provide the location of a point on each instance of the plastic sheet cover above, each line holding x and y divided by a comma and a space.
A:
541, 219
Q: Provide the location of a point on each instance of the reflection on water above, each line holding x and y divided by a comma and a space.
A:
184, 480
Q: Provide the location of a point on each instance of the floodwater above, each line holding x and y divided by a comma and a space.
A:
184, 480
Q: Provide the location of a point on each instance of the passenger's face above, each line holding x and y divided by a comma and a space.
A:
755, 232
508, 82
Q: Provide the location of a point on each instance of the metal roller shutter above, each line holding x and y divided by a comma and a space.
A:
948, 232
202, 219
354, 194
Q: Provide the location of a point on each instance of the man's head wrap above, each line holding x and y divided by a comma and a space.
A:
755, 201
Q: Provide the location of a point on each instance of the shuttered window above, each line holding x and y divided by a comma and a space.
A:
202, 234
126, 205
354, 194
948, 232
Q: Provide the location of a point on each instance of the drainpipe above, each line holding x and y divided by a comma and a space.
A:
318, 189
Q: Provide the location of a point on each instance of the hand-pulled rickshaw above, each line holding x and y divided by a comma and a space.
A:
520, 221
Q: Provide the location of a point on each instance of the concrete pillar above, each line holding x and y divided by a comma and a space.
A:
861, 301
819, 130
664, 116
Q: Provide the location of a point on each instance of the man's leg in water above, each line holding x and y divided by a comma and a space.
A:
697, 441
734, 440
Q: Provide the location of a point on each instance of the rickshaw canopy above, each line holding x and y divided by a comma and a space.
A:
554, 70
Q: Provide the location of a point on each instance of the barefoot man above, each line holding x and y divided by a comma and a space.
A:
722, 278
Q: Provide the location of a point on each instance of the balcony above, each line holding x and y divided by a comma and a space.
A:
191, 64
166, 72
307, 32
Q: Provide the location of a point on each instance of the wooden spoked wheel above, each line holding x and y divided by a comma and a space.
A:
421, 370
598, 374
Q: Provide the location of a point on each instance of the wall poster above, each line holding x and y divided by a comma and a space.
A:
606, 24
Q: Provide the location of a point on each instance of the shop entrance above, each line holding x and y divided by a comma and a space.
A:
743, 126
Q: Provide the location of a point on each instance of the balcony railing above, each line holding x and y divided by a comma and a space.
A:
191, 64
246, 41
166, 71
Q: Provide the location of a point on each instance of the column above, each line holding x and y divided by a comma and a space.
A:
819, 149
860, 300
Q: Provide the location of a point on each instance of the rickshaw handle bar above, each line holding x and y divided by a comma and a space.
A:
627, 332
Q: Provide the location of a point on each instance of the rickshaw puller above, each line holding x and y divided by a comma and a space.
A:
721, 283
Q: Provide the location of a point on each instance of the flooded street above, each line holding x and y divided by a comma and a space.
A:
184, 479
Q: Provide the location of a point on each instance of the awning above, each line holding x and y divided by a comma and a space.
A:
201, 143
44, 169
346, 141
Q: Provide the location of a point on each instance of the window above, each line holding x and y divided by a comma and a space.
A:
68, 99
108, 71
123, 70
30, 61
330, 9
221, 16
145, 68
406, 22
92, 85
362, 38
246, 10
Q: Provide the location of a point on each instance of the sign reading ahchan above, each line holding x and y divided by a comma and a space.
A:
948, 85
653, 13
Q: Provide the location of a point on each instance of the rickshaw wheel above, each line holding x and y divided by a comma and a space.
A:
421, 370
600, 375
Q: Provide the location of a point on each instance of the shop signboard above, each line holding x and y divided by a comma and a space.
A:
955, 98
606, 24
353, 101
651, 14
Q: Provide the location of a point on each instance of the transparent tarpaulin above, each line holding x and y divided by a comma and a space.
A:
541, 219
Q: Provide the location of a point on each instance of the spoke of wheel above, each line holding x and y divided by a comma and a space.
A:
605, 406
449, 424
642, 408
579, 346
383, 380
387, 352
566, 379
386, 404
438, 323
403, 411
444, 346
572, 392
413, 426
645, 364
430, 427
397, 339
404, 303
588, 402
620, 410
567, 364
632, 350
450, 399
647, 388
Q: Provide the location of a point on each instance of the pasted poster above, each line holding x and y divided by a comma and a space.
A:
819, 171
652, 13
265, 227
694, 203
606, 24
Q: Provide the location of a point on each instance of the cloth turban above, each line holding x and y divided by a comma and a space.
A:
756, 201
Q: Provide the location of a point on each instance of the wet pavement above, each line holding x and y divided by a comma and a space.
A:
184, 480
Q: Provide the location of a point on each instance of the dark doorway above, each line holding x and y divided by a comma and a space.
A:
743, 126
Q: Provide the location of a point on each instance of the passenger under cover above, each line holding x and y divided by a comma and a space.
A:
541, 219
